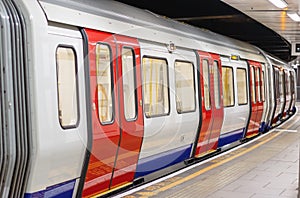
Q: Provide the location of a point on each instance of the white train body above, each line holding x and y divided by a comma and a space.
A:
96, 95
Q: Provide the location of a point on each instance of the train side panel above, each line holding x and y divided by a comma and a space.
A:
60, 113
171, 118
236, 100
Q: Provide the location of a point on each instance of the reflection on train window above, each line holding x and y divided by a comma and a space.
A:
206, 84
258, 89
185, 91
128, 76
216, 74
67, 87
241, 86
155, 87
227, 80
253, 85
263, 86
104, 83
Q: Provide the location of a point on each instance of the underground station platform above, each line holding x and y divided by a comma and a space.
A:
265, 167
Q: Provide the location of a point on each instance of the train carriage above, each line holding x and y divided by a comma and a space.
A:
97, 96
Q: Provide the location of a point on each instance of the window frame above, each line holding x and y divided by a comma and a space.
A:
246, 81
233, 89
112, 84
77, 88
194, 88
135, 84
168, 86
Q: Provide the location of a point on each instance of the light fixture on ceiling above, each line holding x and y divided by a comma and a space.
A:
294, 16
279, 3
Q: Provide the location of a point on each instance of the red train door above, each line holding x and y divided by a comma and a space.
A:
116, 140
131, 111
211, 103
256, 98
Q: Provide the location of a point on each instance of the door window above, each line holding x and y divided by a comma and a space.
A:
128, 77
206, 84
227, 81
104, 83
241, 86
185, 91
216, 74
155, 87
253, 84
67, 86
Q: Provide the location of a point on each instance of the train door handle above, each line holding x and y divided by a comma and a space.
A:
141, 102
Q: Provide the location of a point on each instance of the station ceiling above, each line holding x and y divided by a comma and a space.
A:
219, 17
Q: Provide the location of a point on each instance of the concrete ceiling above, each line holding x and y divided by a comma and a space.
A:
255, 21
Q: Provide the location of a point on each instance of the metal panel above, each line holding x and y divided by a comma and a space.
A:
8, 107
126, 20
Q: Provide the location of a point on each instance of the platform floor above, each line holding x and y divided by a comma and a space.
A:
265, 168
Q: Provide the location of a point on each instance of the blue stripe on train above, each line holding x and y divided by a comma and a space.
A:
62, 190
231, 137
262, 127
162, 160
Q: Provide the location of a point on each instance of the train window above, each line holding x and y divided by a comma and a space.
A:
185, 91
104, 83
155, 87
292, 83
253, 85
263, 86
216, 74
258, 88
241, 86
67, 87
277, 83
206, 84
281, 85
128, 76
228, 92
287, 84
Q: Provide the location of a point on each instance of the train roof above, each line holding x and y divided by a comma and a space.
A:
120, 18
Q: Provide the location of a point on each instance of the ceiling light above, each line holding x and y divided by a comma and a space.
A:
279, 3
294, 16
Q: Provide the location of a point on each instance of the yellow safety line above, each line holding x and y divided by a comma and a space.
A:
214, 165
111, 190
250, 136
